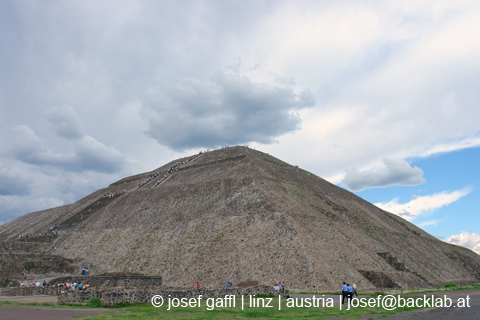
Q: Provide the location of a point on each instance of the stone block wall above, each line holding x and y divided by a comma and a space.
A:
111, 296
135, 281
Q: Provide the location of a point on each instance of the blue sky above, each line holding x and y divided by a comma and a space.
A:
380, 98
446, 172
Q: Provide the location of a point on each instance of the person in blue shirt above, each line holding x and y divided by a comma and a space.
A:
79, 286
350, 292
344, 292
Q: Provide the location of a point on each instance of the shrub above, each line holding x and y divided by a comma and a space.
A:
95, 302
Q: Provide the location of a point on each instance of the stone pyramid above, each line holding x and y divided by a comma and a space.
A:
237, 215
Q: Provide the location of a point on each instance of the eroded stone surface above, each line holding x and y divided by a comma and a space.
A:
237, 214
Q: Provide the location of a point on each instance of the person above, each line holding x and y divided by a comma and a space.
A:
228, 284
79, 286
86, 272
344, 292
350, 292
355, 289
283, 286
83, 271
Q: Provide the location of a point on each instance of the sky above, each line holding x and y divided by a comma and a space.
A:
379, 98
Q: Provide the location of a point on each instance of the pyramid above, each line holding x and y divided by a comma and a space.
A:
237, 215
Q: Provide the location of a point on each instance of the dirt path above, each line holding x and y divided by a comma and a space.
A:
30, 299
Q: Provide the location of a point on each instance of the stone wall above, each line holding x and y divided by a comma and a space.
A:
108, 281
114, 296
379, 279
28, 291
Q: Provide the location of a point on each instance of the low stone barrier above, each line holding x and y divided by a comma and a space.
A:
113, 296
28, 291
136, 281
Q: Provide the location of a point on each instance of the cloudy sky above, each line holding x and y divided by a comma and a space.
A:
382, 99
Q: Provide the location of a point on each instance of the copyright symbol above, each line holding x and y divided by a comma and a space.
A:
157, 301
388, 303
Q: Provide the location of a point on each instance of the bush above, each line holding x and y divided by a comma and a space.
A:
95, 302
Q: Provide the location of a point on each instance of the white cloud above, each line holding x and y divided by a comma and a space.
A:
422, 204
443, 147
396, 172
429, 223
465, 239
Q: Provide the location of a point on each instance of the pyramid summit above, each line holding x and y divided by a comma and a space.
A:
236, 215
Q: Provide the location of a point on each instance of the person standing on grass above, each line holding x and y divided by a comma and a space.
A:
350, 292
344, 292
355, 289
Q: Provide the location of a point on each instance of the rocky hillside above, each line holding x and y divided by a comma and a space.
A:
237, 214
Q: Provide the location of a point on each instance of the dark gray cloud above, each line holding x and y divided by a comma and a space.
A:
227, 110
86, 154
65, 122
395, 172
14, 182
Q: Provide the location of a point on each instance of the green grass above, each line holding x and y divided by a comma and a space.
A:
147, 311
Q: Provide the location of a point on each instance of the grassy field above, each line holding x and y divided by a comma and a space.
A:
449, 287
147, 311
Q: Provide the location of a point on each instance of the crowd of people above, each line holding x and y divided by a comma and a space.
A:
279, 287
32, 284
74, 286
52, 231
173, 169
111, 195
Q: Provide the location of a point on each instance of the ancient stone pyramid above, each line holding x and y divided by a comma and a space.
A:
239, 215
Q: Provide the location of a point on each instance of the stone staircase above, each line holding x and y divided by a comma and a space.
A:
83, 214
27, 258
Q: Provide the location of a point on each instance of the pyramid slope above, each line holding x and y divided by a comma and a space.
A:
237, 214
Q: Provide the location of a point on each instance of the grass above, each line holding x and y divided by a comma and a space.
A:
147, 311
